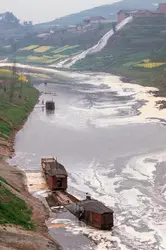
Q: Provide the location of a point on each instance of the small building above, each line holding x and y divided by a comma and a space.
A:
72, 28
93, 213
43, 35
162, 8
137, 13
54, 173
94, 19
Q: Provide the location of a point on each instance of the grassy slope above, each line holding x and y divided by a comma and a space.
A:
13, 210
12, 114
144, 38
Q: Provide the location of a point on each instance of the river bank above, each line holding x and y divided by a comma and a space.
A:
13, 236
19, 210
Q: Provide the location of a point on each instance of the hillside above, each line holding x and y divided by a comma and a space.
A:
137, 51
107, 11
58, 46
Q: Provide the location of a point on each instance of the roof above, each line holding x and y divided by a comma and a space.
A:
43, 35
126, 11
95, 206
94, 18
55, 168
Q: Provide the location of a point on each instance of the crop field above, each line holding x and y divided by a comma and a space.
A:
45, 55
30, 47
64, 48
150, 65
42, 49
45, 59
36, 58
8, 74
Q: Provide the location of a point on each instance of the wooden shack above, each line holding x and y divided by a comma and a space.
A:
93, 213
54, 173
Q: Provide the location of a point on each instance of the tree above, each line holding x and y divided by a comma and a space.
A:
8, 20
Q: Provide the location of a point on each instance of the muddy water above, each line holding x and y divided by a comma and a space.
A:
111, 150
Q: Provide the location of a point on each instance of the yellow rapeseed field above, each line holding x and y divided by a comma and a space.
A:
30, 47
21, 78
42, 49
150, 65
38, 58
5, 71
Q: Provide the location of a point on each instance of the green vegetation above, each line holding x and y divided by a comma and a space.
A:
6, 182
13, 110
3, 180
66, 48
137, 52
13, 113
13, 210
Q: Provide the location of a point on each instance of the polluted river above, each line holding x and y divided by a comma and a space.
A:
111, 138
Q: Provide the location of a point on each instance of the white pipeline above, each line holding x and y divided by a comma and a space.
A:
96, 48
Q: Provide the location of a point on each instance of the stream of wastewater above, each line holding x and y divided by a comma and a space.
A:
112, 140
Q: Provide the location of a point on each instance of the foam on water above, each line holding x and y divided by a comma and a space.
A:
139, 211
36, 182
139, 93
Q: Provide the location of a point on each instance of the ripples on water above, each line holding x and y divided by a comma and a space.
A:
110, 149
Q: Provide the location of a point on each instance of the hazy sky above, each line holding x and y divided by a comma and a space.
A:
47, 10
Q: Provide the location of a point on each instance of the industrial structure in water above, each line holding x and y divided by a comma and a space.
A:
54, 173
50, 105
92, 212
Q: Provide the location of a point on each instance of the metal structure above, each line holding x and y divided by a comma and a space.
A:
50, 105
55, 174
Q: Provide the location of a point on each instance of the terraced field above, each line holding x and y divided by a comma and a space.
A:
45, 55
30, 47
42, 49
